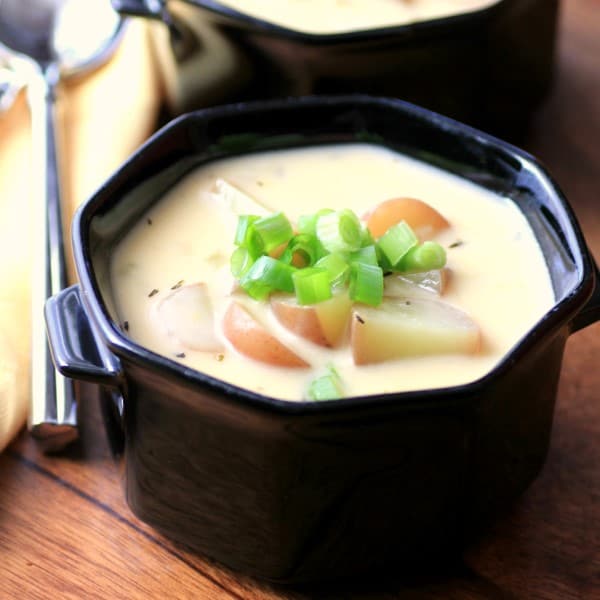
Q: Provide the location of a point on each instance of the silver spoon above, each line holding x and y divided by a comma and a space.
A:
49, 40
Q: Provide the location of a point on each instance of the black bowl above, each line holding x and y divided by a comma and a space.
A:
305, 491
489, 67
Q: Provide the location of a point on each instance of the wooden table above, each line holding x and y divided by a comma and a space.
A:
66, 531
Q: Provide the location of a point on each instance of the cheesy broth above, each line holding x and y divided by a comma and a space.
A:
498, 273
338, 16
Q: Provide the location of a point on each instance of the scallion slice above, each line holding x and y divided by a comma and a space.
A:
308, 223
267, 275
366, 255
240, 262
243, 230
396, 242
337, 266
312, 285
325, 387
425, 257
339, 231
302, 251
366, 237
272, 231
366, 284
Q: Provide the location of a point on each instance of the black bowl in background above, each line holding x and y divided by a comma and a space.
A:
295, 492
490, 68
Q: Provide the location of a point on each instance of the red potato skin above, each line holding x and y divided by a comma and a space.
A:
301, 321
425, 221
251, 339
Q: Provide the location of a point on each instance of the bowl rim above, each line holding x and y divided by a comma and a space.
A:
560, 315
412, 29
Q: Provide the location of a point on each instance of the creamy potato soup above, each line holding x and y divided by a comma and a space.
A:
175, 293
337, 16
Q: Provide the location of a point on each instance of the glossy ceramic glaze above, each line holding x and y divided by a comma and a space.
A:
295, 492
490, 67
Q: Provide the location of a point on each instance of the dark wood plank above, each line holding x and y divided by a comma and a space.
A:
55, 543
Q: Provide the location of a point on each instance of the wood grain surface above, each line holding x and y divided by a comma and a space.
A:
66, 531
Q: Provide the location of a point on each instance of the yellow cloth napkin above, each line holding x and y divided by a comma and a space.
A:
101, 119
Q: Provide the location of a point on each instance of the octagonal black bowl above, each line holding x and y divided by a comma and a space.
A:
489, 67
301, 491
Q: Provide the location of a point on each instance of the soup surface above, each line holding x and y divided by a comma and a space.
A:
337, 16
498, 274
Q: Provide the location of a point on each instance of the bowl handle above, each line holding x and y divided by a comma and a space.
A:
590, 313
77, 351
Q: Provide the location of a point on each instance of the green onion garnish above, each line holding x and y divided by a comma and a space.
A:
325, 387
366, 284
330, 249
243, 231
240, 262
366, 255
339, 231
302, 251
396, 242
312, 285
267, 275
366, 237
308, 223
336, 266
272, 231
424, 257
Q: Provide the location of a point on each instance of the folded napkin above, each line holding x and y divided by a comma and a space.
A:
101, 119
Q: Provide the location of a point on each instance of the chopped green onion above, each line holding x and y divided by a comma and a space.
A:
397, 241
243, 230
336, 266
312, 285
325, 387
366, 237
366, 284
272, 231
308, 223
267, 275
424, 257
303, 248
339, 231
245, 236
331, 248
382, 260
240, 262
366, 255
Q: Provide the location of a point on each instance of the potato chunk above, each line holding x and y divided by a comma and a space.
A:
238, 202
249, 337
187, 315
408, 285
400, 328
424, 220
324, 323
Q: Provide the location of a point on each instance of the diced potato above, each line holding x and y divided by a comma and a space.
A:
238, 202
324, 323
424, 220
187, 315
428, 284
416, 327
250, 338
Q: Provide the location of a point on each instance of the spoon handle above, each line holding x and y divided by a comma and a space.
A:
52, 417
